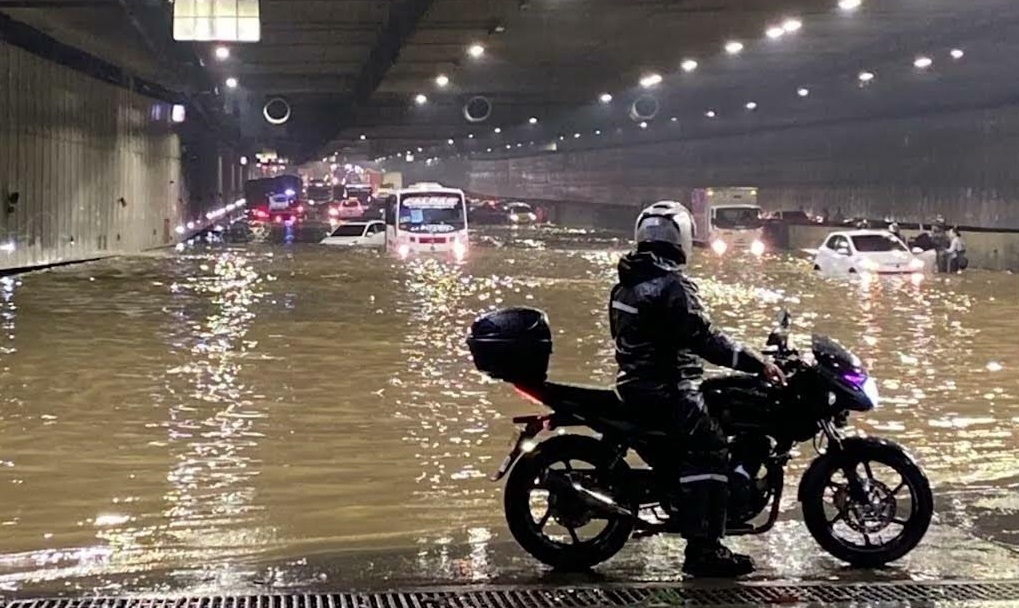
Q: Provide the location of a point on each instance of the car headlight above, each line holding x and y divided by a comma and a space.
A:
916, 264
757, 248
870, 390
514, 217
719, 246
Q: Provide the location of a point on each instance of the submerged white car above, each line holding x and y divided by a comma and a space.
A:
867, 252
358, 234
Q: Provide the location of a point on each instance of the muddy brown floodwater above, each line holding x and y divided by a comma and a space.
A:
257, 416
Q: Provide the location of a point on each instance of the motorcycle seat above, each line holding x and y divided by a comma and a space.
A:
598, 401
598, 408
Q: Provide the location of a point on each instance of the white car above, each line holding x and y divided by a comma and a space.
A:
867, 252
346, 209
358, 234
520, 213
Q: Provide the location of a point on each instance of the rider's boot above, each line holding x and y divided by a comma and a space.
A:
711, 559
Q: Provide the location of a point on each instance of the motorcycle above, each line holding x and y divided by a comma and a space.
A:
573, 501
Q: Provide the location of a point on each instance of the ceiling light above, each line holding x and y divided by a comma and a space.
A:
476, 51
643, 124
420, 150
710, 114
222, 53
650, 80
508, 146
688, 65
576, 136
803, 91
734, 47
533, 120
605, 98
792, 25
866, 76
421, 99
751, 105
231, 83
442, 80
775, 32
956, 53
597, 132
488, 150
498, 130
363, 137
520, 145
562, 137
470, 136
923, 62
850, 5
450, 142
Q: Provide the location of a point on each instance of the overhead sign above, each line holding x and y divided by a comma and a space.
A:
218, 20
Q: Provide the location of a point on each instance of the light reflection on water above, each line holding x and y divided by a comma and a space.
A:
219, 410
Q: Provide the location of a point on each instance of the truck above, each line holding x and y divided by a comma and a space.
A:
728, 220
392, 181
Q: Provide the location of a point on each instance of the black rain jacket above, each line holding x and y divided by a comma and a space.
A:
660, 329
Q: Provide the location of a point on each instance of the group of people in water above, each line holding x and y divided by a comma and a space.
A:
947, 242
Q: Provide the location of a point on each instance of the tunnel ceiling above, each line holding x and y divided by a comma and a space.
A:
351, 69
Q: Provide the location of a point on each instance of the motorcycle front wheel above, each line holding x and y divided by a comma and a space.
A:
554, 525
887, 525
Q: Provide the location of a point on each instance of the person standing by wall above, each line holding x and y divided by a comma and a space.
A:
956, 252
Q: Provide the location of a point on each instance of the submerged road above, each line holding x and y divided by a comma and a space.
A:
268, 414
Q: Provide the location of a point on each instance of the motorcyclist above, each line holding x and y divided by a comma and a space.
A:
661, 334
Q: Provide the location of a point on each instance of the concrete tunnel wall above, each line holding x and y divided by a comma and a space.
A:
72, 147
963, 165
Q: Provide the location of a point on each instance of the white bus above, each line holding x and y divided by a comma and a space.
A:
427, 219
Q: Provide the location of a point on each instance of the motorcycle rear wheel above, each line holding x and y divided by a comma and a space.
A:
578, 554
883, 513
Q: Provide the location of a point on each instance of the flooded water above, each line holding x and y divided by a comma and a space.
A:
259, 415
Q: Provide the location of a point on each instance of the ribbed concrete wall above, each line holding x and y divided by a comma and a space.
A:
958, 164
97, 167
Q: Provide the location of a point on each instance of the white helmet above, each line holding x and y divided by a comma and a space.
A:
669, 222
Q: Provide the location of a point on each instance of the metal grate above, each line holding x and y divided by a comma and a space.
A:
583, 597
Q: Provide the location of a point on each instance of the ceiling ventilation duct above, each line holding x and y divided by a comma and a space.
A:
276, 111
477, 109
644, 108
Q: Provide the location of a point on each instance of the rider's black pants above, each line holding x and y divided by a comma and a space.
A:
695, 457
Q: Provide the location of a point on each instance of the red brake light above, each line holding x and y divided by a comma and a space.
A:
523, 393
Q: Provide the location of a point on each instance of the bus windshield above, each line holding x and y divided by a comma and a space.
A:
432, 213
728, 218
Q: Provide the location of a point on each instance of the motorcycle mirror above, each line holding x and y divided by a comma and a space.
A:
778, 337
784, 319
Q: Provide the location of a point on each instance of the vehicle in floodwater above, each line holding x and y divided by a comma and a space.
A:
864, 499
427, 219
728, 220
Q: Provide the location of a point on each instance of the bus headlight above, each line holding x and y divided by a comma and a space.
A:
403, 250
514, 217
719, 246
333, 212
757, 248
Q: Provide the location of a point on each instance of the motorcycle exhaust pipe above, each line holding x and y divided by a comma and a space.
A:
596, 501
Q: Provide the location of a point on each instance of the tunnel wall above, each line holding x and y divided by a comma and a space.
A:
960, 165
73, 148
